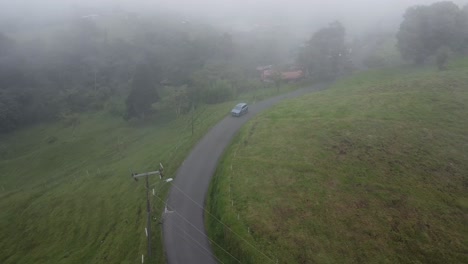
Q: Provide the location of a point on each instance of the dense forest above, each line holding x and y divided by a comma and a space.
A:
122, 62
133, 65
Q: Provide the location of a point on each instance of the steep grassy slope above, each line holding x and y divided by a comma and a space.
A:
374, 170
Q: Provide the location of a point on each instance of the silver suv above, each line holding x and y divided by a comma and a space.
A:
240, 109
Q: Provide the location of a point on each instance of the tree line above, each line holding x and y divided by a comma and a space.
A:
435, 30
427, 33
88, 66
136, 66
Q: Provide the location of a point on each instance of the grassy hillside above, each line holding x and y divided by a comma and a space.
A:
66, 195
374, 170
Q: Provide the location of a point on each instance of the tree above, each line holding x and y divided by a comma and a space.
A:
446, 26
226, 47
178, 100
325, 55
425, 29
411, 35
143, 93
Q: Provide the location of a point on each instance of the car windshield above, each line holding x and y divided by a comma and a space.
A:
238, 107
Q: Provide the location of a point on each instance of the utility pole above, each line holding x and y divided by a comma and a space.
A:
148, 220
193, 113
135, 176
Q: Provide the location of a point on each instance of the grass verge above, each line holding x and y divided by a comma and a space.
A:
66, 195
374, 170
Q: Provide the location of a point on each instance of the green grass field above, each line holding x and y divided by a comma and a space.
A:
73, 201
373, 170
66, 195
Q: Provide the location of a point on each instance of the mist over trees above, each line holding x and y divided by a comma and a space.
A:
87, 65
326, 55
133, 64
143, 93
434, 29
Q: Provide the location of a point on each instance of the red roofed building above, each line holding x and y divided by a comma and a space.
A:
267, 74
292, 75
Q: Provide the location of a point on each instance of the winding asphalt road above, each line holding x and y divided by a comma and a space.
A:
185, 238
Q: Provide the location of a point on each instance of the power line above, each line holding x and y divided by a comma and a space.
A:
175, 186
201, 232
198, 243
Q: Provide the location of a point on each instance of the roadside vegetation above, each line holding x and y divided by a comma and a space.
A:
134, 66
373, 170
101, 97
90, 95
87, 101
66, 194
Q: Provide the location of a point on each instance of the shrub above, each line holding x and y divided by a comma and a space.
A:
218, 92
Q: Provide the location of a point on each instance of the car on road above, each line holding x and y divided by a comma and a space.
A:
240, 109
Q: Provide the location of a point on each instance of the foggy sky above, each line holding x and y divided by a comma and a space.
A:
355, 14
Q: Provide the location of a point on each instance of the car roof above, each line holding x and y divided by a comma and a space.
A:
240, 104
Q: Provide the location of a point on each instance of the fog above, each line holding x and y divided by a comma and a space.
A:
90, 88
84, 54
300, 15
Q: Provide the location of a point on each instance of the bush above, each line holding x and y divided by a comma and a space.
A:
219, 92
117, 108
